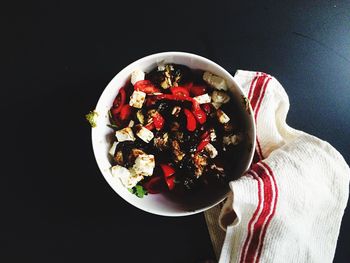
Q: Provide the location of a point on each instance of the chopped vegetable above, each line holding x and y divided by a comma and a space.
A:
198, 112
158, 121
139, 191
178, 154
119, 101
207, 107
198, 90
154, 185
167, 170
204, 142
215, 81
200, 162
179, 91
191, 120
91, 118
150, 126
125, 112
188, 86
169, 177
146, 86
140, 116
131, 123
170, 181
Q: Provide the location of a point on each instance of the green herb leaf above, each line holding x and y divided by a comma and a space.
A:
131, 190
140, 191
91, 118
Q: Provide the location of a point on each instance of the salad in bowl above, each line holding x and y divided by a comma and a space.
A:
172, 133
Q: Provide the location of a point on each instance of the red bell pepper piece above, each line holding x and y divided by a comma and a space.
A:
205, 135
196, 109
191, 120
179, 91
207, 107
125, 112
198, 112
167, 170
150, 101
150, 126
158, 121
204, 142
170, 181
188, 86
146, 86
171, 97
119, 101
115, 113
155, 185
198, 90
169, 176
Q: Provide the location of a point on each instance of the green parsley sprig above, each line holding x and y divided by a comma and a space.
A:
139, 191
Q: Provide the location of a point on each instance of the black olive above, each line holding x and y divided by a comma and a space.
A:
182, 74
155, 76
188, 183
162, 107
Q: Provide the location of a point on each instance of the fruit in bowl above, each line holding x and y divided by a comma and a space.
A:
172, 129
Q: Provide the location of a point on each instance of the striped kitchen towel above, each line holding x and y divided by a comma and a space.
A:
288, 207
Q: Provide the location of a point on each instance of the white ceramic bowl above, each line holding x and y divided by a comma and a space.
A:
163, 204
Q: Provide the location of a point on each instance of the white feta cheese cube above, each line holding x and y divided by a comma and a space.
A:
161, 67
113, 147
205, 98
128, 179
137, 99
223, 118
125, 134
137, 75
211, 150
220, 96
232, 139
214, 81
212, 135
143, 133
144, 165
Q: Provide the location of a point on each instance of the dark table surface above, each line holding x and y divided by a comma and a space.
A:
59, 55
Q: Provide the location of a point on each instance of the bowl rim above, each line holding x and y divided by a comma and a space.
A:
156, 56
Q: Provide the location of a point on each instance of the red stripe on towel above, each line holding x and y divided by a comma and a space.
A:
252, 220
256, 93
273, 210
257, 225
252, 85
261, 98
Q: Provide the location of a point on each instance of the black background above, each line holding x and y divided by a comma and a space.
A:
58, 56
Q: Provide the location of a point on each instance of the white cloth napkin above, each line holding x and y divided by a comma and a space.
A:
288, 207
